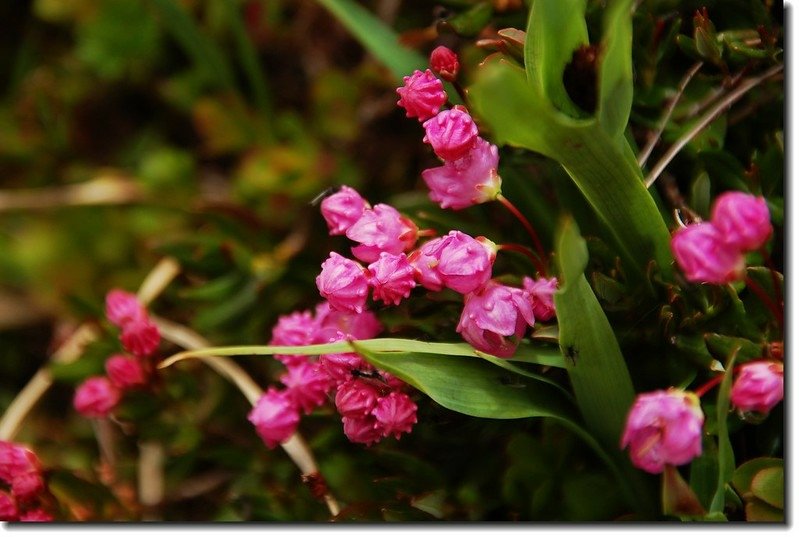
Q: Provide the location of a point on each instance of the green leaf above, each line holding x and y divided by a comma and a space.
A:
554, 30
726, 453
769, 486
678, 498
757, 511
616, 68
745, 473
471, 22
380, 40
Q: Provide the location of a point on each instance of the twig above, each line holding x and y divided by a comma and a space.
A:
708, 118
151, 477
655, 136
104, 190
295, 447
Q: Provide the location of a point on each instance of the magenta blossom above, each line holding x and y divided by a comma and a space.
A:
664, 427
306, 385
96, 397
542, 291
275, 417
703, 255
382, 229
356, 398
456, 261
125, 372
422, 95
395, 414
452, 133
742, 219
471, 180
495, 317
36, 515
361, 430
444, 63
391, 278
20, 468
342, 209
758, 387
122, 307
339, 366
140, 337
343, 283
294, 330
8, 507
336, 325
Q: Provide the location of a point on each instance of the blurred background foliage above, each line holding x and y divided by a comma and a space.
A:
131, 130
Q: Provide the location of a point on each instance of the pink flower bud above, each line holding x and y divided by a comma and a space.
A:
391, 278
96, 397
140, 337
8, 507
307, 385
758, 387
336, 325
339, 366
495, 317
125, 372
459, 261
36, 515
122, 307
20, 468
27, 486
422, 95
395, 414
468, 181
444, 63
663, 427
742, 219
295, 329
275, 417
361, 430
703, 255
452, 133
542, 291
356, 398
382, 229
425, 266
342, 209
343, 283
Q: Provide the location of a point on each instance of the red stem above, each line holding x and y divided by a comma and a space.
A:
426, 233
527, 225
763, 296
712, 383
774, 280
526, 251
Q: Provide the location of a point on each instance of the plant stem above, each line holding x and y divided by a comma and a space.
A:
527, 225
511, 247
705, 120
763, 296
774, 280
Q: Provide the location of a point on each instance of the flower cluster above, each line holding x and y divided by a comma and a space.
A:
468, 175
97, 396
21, 472
713, 252
372, 403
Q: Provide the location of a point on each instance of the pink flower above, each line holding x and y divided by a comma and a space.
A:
36, 515
664, 427
362, 430
339, 366
8, 507
542, 291
758, 387
96, 397
395, 414
343, 283
422, 95
471, 180
307, 385
457, 261
15, 460
122, 307
295, 329
140, 337
444, 63
424, 266
125, 372
391, 278
703, 255
451, 133
742, 219
27, 486
381, 229
336, 325
275, 417
493, 314
356, 398
342, 209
